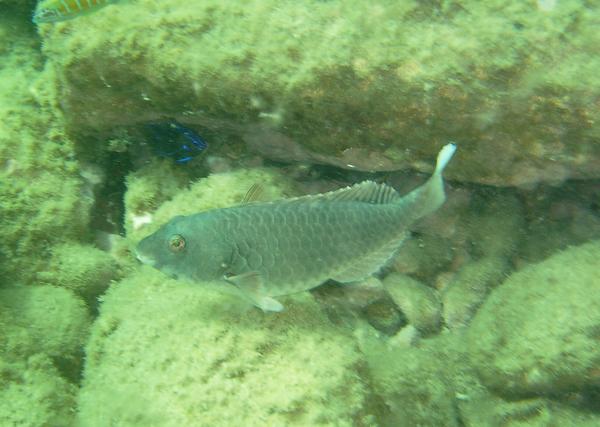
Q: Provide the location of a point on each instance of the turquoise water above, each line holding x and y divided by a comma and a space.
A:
114, 121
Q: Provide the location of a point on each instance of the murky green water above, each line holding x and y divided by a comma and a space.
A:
118, 117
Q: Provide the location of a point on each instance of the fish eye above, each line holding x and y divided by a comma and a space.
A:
176, 243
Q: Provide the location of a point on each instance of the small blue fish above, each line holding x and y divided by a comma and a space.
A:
172, 139
61, 10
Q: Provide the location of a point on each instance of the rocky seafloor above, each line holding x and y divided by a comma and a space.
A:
488, 316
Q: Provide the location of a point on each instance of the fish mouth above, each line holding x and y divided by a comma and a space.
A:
144, 259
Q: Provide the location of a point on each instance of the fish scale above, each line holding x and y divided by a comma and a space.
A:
265, 250
323, 249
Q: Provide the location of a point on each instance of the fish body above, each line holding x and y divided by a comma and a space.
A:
174, 140
277, 248
61, 10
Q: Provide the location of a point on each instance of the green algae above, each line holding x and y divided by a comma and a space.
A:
516, 85
85, 270
469, 288
334, 78
34, 394
42, 331
226, 363
537, 333
42, 328
416, 384
40, 191
46, 320
420, 304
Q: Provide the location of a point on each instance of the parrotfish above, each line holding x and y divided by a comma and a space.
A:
270, 249
61, 10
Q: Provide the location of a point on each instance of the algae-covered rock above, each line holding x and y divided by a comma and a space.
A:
469, 287
423, 256
484, 409
569, 415
34, 394
384, 316
168, 353
46, 320
148, 188
559, 217
41, 198
373, 86
495, 223
478, 407
85, 270
42, 332
538, 332
419, 303
416, 383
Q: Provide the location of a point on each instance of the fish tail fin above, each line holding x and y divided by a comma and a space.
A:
430, 196
444, 157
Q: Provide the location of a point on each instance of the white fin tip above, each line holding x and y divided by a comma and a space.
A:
444, 156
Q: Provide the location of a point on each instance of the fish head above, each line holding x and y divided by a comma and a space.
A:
186, 248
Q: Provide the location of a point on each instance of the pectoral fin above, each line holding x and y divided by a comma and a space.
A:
250, 285
268, 304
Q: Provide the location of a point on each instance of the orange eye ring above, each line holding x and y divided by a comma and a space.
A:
176, 243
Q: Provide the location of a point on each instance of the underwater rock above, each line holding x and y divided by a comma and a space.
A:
559, 217
494, 223
359, 295
149, 187
479, 408
167, 353
469, 287
85, 270
419, 303
562, 414
33, 394
537, 333
408, 336
42, 202
487, 237
347, 304
384, 316
350, 296
370, 86
44, 320
423, 256
417, 384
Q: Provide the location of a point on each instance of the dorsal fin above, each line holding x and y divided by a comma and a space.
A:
366, 192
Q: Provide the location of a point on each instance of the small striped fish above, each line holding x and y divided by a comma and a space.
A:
62, 10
